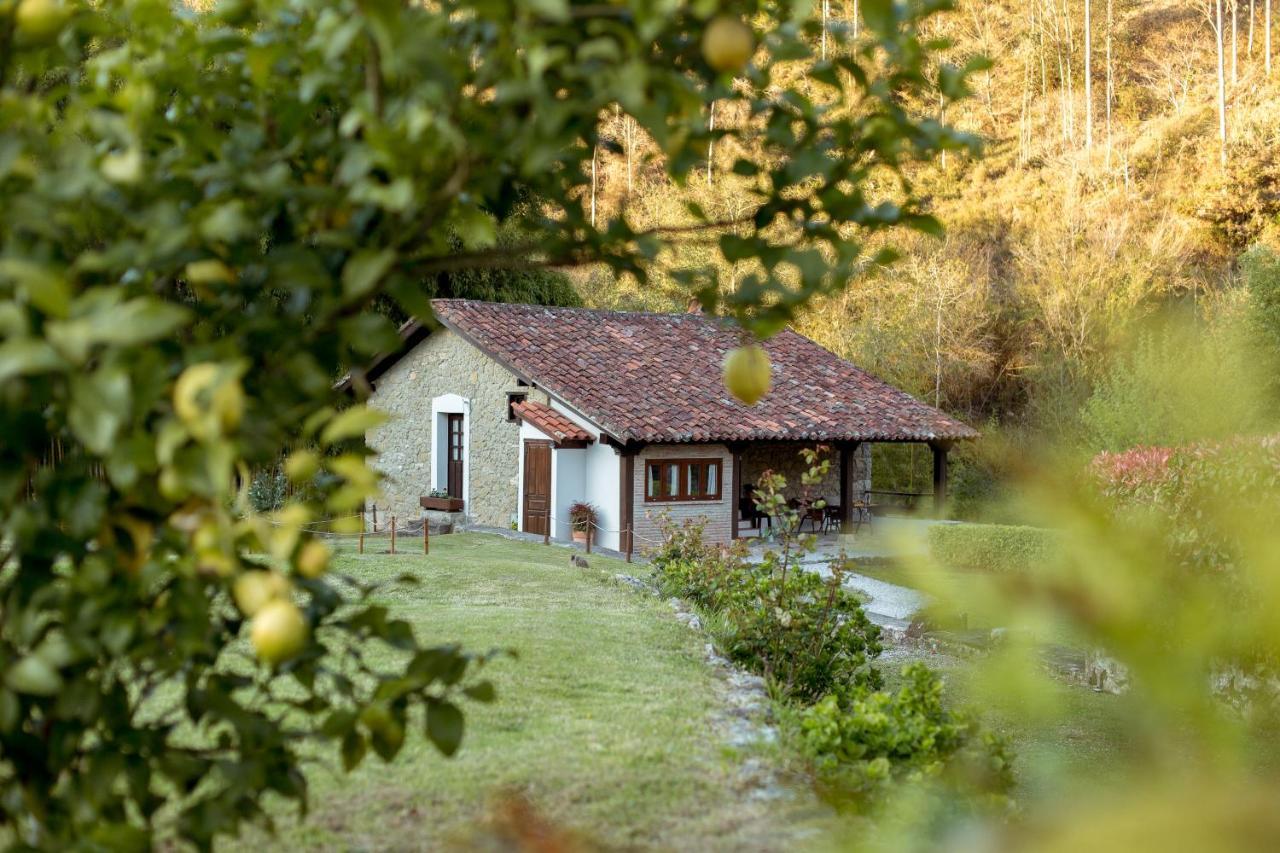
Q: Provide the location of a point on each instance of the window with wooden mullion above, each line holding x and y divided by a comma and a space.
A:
670, 480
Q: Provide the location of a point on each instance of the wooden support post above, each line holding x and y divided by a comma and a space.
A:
939, 476
426, 533
393, 534
735, 496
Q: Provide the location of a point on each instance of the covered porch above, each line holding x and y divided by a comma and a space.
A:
846, 490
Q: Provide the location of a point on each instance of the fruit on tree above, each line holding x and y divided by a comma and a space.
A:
727, 44
279, 631
747, 373
208, 394
38, 22
254, 590
313, 559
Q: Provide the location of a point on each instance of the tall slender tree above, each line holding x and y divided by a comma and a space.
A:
1088, 75
1222, 82
1111, 90
1235, 79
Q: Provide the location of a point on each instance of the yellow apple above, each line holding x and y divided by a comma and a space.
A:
313, 559
208, 396
279, 632
727, 44
747, 373
38, 22
255, 590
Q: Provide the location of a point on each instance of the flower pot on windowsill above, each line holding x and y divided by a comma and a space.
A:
445, 504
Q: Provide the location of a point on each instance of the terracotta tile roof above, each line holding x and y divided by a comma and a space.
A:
552, 423
656, 377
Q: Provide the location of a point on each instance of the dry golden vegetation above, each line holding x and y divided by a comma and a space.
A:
1091, 209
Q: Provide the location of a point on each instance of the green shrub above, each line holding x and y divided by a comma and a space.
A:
859, 739
991, 547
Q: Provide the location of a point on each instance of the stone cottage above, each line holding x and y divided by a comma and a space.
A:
515, 412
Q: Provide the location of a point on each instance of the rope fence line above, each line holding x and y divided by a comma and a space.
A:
626, 536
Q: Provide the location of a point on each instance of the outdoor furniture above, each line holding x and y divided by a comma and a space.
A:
831, 518
748, 511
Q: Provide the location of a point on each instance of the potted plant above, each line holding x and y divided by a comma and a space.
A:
440, 500
582, 518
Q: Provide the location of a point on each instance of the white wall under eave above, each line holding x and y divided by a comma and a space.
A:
567, 468
598, 482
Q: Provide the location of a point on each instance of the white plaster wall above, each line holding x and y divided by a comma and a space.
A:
601, 480
567, 466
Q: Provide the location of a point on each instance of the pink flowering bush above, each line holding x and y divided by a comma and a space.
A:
1194, 491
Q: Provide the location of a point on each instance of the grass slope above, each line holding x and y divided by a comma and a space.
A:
602, 721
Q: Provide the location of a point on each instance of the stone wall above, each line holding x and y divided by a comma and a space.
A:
717, 513
784, 458
446, 364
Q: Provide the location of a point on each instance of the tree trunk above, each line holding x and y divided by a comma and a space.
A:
1266, 33
1088, 75
1111, 91
1249, 52
826, 10
1235, 79
629, 136
855, 18
1222, 82
711, 145
594, 150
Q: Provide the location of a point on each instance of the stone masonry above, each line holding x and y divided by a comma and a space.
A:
442, 364
784, 458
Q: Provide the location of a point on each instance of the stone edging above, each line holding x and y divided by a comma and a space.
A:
744, 718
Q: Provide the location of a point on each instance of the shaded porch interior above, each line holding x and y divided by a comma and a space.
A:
851, 500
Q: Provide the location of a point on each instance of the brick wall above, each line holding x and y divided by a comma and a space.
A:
717, 513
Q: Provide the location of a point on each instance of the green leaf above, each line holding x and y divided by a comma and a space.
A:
444, 726
354, 749
45, 288
552, 10
99, 407
137, 321
364, 270
351, 423
27, 356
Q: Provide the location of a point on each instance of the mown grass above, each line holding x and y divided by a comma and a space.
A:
603, 721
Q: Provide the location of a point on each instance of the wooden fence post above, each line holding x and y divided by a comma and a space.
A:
426, 543
590, 535
375, 518
362, 530
393, 534
546, 527
630, 535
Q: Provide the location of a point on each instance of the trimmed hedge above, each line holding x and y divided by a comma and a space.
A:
991, 547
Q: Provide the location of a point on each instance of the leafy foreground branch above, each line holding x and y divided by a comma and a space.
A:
201, 210
809, 637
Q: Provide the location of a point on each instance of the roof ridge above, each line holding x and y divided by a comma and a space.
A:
679, 315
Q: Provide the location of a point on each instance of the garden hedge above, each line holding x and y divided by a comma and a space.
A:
991, 547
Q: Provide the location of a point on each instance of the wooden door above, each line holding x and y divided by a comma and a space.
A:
454, 474
537, 486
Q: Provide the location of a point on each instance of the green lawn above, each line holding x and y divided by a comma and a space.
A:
602, 721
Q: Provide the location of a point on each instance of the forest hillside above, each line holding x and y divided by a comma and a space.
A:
1129, 161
